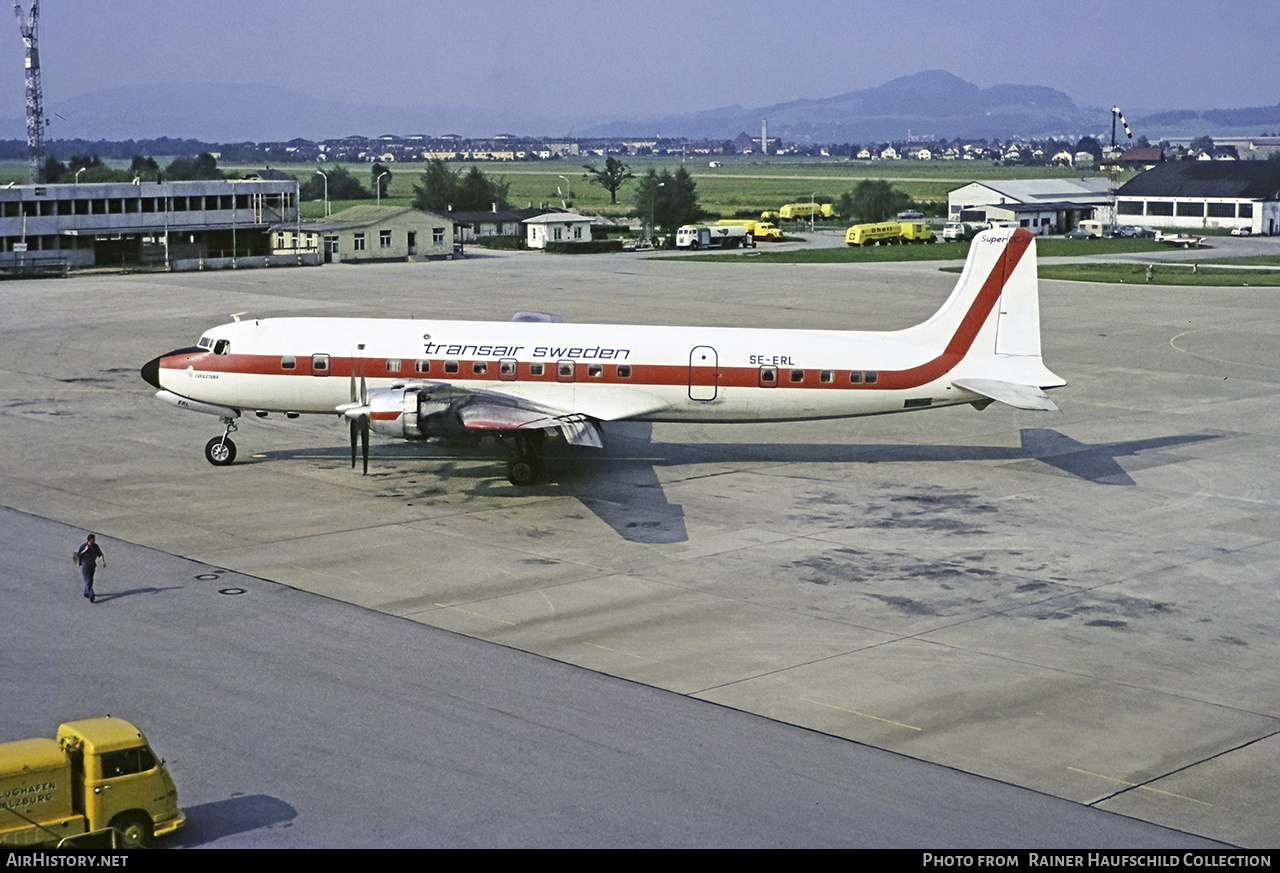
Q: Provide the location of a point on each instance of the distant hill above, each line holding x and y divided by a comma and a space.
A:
933, 103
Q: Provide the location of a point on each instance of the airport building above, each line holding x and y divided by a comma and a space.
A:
567, 227
1042, 206
61, 227
1204, 194
369, 233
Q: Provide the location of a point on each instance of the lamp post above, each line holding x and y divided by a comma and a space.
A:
326, 191
653, 202
567, 192
377, 187
78, 172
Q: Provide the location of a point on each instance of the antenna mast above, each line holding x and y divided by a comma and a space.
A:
35, 102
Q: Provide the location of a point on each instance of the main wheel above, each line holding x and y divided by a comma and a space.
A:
522, 471
220, 451
134, 830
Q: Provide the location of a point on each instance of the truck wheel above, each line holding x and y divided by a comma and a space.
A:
134, 830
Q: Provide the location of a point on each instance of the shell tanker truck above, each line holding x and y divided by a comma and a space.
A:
888, 233
98, 775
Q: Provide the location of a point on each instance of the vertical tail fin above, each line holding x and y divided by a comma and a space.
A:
989, 328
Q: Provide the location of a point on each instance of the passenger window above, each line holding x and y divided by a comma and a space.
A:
827, 375
768, 377
422, 366
871, 375
855, 376
451, 366
320, 365
536, 369
288, 362
624, 371
480, 367
595, 370
797, 375
507, 368
565, 371
393, 365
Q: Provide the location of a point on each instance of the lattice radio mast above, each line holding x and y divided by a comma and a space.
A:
35, 102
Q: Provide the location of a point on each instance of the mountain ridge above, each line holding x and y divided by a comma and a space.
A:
930, 103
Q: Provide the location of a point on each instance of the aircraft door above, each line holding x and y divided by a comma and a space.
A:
704, 373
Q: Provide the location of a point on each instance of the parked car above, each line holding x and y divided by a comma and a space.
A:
1077, 234
1134, 230
1242, 231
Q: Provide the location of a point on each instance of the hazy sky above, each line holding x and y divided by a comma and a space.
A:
605, 60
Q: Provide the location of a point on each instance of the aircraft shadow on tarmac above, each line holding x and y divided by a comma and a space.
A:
242, 813
621, 485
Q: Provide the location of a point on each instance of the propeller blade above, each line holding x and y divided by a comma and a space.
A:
354, 426
364, 443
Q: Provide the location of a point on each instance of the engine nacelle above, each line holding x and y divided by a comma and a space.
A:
415, 412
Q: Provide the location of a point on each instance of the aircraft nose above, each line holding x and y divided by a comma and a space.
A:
151, 372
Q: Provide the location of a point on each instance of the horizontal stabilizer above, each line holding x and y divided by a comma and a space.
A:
1009, 393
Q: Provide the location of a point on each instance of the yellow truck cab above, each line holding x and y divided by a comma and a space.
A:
99, 773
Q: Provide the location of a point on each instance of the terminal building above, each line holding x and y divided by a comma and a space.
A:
1205, 194
183, 225
1042, 206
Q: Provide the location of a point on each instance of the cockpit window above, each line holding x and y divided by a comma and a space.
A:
222, 347
205, 342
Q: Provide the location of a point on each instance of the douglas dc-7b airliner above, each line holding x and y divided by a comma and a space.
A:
524, 379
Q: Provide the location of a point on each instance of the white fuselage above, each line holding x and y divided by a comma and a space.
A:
986, 335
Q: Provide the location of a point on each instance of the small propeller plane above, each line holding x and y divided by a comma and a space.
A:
522, 380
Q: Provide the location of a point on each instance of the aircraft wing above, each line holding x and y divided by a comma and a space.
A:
492, 413
1010, 393
487, 409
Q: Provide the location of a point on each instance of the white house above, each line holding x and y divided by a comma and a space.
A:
567, 227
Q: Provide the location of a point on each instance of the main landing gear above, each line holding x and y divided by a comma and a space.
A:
221, 451
525, 466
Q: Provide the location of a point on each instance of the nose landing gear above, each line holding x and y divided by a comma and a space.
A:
221, 451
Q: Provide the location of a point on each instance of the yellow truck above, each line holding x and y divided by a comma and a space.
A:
99, 773
888, 233
805, 211
758, 229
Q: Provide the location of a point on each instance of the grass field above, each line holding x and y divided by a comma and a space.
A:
741, 183
1164, 274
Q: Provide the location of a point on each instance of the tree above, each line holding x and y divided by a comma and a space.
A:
145, 167
875, 201
610, 178
1090, 145
342, 186
204, 166
669, 199
443, 189
378, 181
54, 169
1202, 144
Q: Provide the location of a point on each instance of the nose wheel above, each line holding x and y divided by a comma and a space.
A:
221, 451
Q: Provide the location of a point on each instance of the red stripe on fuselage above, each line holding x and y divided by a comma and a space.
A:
644, 374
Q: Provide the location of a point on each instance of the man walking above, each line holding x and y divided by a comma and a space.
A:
90, 554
